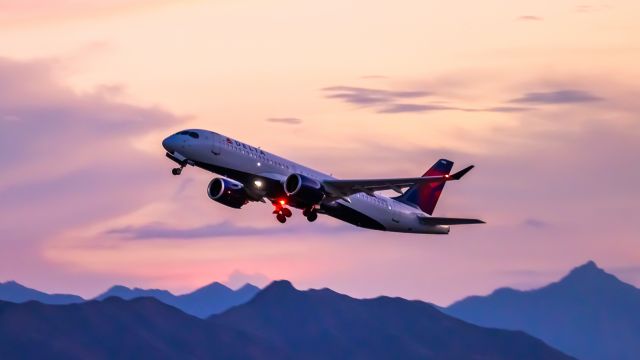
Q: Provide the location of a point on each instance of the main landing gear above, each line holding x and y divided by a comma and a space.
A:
282, 213
310, 213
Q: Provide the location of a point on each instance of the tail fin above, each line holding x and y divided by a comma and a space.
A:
426, 195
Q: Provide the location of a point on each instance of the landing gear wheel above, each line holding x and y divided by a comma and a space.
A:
176, 171
313, 215
286, 212
306, 212
281, 218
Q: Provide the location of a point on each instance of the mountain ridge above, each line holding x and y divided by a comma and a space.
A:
321, 323
202, 302
588, 313
13, 291
140, 328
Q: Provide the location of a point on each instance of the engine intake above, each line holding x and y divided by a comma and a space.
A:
303, 190
227, 192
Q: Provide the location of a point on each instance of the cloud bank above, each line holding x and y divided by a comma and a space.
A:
72, 158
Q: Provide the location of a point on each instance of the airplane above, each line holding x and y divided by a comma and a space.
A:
250, 174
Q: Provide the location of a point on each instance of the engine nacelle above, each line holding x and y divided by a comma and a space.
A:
227, 192
303, 190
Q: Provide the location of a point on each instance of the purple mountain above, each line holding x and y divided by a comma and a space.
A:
589, 313
203, 302
280, 322
141, 328
14, 292
322, 324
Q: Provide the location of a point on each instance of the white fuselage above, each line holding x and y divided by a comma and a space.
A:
238, 161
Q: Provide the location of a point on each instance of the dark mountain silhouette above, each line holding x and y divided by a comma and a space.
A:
142, 328
322, 324
204, 302
589, 313
279, 323
14, 292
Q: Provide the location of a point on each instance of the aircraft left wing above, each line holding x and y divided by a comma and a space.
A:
343, 188
432, 220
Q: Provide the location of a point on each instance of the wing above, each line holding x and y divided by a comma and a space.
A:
343, 188
350, 187
430, 220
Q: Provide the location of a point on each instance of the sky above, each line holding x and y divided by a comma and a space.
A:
540, 95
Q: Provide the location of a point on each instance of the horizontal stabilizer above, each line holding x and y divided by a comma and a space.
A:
461, 173
432, 220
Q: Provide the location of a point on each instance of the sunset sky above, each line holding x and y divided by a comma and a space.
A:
542, 96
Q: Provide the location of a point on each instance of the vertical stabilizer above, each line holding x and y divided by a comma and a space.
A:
426, 195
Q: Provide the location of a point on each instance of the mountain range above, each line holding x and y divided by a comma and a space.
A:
280, 322
203, 302
14, 292
589, 313
323, 324
142, 328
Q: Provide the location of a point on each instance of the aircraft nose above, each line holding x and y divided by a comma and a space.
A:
169, 143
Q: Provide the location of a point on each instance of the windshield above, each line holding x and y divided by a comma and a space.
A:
192, 134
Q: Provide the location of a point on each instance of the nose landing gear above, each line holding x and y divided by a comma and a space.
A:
178, 170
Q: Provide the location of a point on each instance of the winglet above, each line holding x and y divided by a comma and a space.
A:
461, 173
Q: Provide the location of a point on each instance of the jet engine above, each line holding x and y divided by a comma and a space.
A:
303, 190
227, 192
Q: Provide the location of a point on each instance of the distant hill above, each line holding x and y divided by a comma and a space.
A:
589, 313
203, 302
118, 329
322, 324
14, 292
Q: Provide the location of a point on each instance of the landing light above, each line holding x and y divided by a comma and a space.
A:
282, 202
258, 183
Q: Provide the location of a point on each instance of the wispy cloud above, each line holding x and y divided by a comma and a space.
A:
223, 229
413, 108
535, 223
529, 18
421, 108
368, 97
589, 8
506, 109
238, 278
567, 96
408, 101
285, 120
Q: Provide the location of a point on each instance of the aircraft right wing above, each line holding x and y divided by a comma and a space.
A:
343, 188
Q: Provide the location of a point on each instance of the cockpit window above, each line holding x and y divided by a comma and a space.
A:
192, 134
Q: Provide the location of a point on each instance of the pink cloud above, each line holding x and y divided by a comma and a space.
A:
238, 278
71, 161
